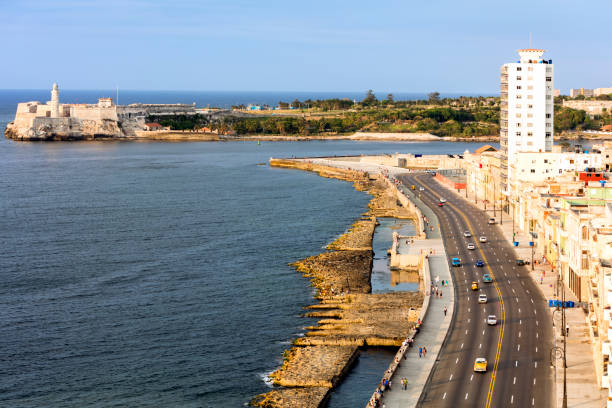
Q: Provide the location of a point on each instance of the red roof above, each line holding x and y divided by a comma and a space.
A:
153, 124
607, 128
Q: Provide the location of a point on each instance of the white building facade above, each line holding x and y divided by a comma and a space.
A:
527, 115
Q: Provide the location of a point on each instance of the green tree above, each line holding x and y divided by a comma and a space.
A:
370, 99
434, 98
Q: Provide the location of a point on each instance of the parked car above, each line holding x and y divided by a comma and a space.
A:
492, 320
520, 262
491, 220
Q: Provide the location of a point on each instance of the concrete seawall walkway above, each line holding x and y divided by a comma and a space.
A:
583, 390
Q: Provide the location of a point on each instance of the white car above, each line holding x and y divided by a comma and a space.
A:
471, 246
491, 320
467, 234
491, 221
421, 188
482, 239
442, 200
482, 298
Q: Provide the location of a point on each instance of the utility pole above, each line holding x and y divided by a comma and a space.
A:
564, 347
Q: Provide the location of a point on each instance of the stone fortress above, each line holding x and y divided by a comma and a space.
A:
59, 121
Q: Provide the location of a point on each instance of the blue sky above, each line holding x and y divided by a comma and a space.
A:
332, 45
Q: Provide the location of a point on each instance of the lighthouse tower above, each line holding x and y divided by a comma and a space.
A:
55, 111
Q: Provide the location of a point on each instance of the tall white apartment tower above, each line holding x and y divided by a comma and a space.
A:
526, 107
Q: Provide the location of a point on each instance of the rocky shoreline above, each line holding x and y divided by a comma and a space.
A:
351, 316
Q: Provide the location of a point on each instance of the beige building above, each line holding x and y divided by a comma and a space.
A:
581, 91
590, 107
602, 91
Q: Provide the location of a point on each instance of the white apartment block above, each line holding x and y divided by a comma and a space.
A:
526, 106
534, 167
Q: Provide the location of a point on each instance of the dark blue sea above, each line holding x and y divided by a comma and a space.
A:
139, 274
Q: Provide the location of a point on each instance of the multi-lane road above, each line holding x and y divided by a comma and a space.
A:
518, 347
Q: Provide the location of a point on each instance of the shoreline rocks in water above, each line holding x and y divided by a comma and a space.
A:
351, 316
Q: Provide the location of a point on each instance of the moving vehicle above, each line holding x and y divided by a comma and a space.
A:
412, 187
482, 298
491, 220
480, 263
482, 239
492, 320
467, 234
471, 246
442, 200
421, 188
440, 204
520, 262
480, 365
486, 278
456, 262
474, 285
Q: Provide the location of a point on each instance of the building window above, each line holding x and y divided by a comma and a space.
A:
571, 161
518, 115
533, 162
545, 160
560, 171
530, 115
518, 106
530, 88
529, 143
529, 96
549, 79
548, 134
548, 115
518, 124
518, 78
533, 170
529, 124
548, 124
519, 68
548, 97
529, 106
518, 134
518, 96
529, 133
586, 162
518, 87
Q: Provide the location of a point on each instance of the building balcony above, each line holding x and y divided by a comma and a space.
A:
504, 88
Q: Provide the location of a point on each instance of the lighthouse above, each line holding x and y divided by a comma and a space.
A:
55, 111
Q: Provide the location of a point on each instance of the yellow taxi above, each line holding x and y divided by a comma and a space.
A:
474, 285
480, 365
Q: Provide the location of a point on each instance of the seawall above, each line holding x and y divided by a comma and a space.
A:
350, 315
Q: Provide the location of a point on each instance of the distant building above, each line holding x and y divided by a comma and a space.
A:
602, 91
587, 93
591, 107
153, 126
105, 102
557, 92
526, 107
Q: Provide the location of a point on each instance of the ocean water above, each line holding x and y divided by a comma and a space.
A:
140, 274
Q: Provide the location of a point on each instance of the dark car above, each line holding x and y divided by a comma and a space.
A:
480, 263
440, 204
520, 262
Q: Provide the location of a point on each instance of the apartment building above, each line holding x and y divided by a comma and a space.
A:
526, 107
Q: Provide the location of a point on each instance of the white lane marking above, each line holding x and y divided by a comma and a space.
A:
514, 382
461, 345
444, 396
457, 360
536, 364
532, 401
537, 335
520, 321
536, 349
519, 310
516, 300
472, 377
513, 290
535, 311
512, 399
534, 381
536, 322
469, 320
518, 347
468, 309
466, 332
480, 346
519, 334
483, 332
466, 395
516, 363
531, 300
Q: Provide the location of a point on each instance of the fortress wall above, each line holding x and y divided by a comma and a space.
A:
93, 112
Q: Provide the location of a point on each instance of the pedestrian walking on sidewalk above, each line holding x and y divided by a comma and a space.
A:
440, 294
420, 352
567, 330
424, 351
444, 310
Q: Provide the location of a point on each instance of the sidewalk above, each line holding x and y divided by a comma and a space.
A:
582, 385
431, 336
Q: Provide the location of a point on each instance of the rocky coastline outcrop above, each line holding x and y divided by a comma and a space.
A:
350, 316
